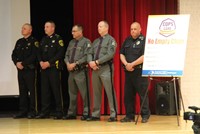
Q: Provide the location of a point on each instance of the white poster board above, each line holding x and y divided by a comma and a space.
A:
165, 45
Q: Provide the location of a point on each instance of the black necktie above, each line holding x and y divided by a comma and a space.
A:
98, 49
73, 52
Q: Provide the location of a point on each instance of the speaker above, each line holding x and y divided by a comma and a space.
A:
165, 98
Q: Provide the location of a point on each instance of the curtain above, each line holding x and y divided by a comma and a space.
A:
119, 14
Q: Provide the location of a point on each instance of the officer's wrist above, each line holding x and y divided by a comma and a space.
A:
125, 64
77, 63
96, 62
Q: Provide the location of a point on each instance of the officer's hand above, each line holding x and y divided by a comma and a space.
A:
129, 67
44, 65
95, 68
19, 65
92, 64
70, 67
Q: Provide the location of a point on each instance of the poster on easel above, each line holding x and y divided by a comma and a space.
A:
165, 45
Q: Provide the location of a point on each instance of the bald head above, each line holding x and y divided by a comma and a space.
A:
135, 29
26, 30
103, 27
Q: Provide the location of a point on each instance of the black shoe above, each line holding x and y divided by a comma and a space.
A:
93, 119
69, 117
126, 119
42, 116
144, 120
20, 115
112, 119
31, 116
58, 117
84, 117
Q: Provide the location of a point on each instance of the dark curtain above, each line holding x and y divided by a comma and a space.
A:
119, 14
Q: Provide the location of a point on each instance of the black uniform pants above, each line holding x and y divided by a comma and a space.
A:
134, 83
27, 85
51, 84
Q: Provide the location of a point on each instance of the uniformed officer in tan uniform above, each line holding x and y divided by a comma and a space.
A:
100, 59
76, 61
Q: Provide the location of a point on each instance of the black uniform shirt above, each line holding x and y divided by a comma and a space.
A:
25, 51
51, 49
132, 49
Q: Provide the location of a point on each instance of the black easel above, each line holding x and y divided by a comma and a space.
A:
175, 94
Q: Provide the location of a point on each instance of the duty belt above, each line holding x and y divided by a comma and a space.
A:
135, 67
80, 67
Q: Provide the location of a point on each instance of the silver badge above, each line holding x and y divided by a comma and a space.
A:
138, 42
29, 44
53, 41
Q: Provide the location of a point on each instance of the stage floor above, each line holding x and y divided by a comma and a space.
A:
157, 124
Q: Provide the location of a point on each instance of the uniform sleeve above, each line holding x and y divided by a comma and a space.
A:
33, 56
122, 50
67, 54
86, 48
60, 51
143, 44
112, 45
90, 53
14, 56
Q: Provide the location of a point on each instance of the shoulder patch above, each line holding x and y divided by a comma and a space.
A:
61, 43
113, 43
88, 45
36, 43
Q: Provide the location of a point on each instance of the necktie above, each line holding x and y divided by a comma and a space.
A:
73, 52
98, 49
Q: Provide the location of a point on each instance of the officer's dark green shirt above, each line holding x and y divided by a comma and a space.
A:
25, 51
81, 50
132, 49
51, 49
107, 51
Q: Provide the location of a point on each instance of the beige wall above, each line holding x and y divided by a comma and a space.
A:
190, 82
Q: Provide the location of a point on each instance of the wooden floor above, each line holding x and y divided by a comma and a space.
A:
156, 125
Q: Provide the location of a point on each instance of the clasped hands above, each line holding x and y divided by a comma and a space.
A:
94, 65
44, 65
129, 66
71, 66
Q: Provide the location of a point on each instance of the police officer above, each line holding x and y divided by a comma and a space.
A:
76, 61
24, 57
50, 56
100, 60
131, 55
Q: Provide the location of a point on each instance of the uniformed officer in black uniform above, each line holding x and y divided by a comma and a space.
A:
131, 55
24, 57
100, 59
51, 56
76, 61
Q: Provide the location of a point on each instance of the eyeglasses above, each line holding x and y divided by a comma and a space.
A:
73, 31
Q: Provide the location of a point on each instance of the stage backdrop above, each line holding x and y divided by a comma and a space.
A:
119, 14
